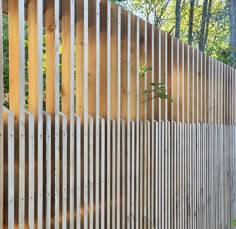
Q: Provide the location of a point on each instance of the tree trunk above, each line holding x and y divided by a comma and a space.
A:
190, 24
207, 24
232, 17
203, 25
178, 18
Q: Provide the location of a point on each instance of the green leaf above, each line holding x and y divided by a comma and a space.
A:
234, 222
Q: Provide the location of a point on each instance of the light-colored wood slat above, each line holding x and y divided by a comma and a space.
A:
79, 49
102, 173
91, 172
132, 176
108, 150
221, 157
159, 68
116, 214
1, 120
78, 172
65, 198
157, 174
152, 188
174, 175
11, 177
129, 123
148, 174
35, 81
31, 147
52, 98
172, 76
190, 177
48, 152
177, 81
35, 57
67, 87
128, 167
162, 173
196, 76
17, 95
166, 168
204, 152
85, 116
141, 213
169, 184
178, 151
186, 176
99, 129
138, 140
180, 175
194, 174
123, 184
113, 174
198, 152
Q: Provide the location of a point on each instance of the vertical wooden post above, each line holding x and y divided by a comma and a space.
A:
17, 93
67, 85
52, 92
35, 78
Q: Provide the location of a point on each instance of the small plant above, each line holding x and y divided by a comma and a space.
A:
157, 90
234, 222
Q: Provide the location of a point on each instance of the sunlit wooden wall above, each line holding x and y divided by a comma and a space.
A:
88, 151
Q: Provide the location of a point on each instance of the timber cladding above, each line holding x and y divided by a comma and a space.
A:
91, 149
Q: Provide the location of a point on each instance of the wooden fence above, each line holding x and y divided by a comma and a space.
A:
88, 152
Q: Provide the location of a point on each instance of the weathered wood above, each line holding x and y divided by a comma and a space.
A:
48, 152
11, 177
17, 95
102, 173
78, 171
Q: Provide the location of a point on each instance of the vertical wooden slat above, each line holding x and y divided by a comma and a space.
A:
67, 86
91, 167
85, 133
108, 150
102, 174
48, 153
97, 105
148, 171
168, 169
159, 68
116, 214
35, 80
157, 175
128, 185
35, 58
174, 174
113, 179
52, 96
132, 176
11, 177
152, 188
17, 93
123, 184
31, 170
138, 140
64, 170
79, 30
78, 172
141, 175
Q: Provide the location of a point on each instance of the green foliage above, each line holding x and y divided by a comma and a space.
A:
157, 90
234, 222
162, 14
